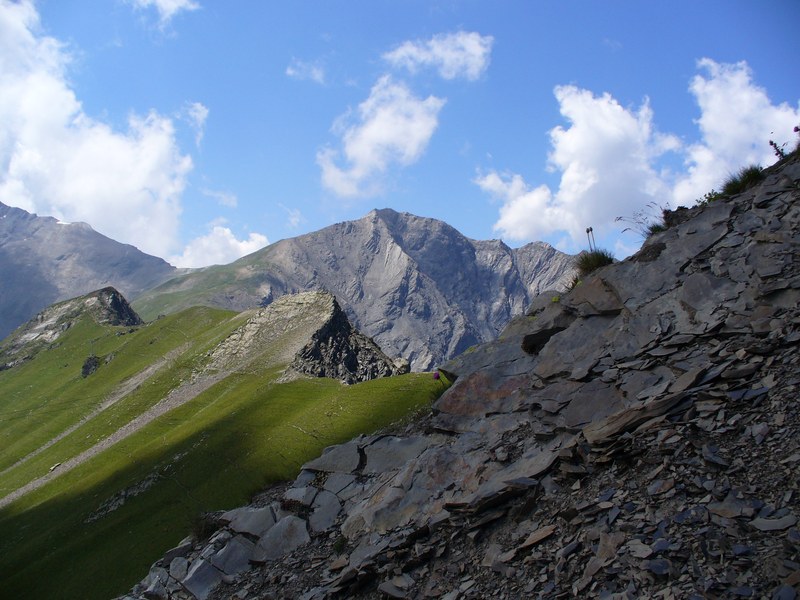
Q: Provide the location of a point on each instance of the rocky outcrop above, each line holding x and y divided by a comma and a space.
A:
316, 339
635, 438
43, 261
338, 351
417, 286
106, 306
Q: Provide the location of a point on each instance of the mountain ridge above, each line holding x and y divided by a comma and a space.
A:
416, 285
44, 261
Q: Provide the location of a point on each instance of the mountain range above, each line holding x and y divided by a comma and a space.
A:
421, 289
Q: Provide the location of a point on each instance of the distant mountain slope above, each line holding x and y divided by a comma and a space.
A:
419, 287
43, 261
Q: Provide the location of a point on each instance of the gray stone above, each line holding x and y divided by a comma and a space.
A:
302, 495
253, 521
181, 549
324, 511
774, 524
286, 535
391, 452
202, 579
344, 458
235, 556
336, 482
178, 568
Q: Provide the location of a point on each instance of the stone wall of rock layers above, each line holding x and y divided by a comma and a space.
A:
635, 438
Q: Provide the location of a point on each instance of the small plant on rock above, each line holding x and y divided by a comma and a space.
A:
743, 180
709, 197
646, 221
588, 262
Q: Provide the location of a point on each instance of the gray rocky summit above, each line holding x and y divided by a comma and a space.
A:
635, 438
416, 285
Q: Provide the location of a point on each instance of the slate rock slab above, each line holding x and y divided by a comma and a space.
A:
287, 534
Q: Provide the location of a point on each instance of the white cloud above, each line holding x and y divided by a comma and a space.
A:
228, 199
56, 160
195, 113
167, 8
302, 70
605, 157
294, 218
218, 247
736, 122
608, 157
392, 126
462, 54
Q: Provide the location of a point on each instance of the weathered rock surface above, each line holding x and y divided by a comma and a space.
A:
637, 438
44, 261
318, 340
106, 306
417, 286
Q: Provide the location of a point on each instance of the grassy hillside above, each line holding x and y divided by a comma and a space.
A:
213, 452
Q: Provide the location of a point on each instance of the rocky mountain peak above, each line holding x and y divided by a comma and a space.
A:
634, 438
417, 286
105, 306
309, 332
338, 351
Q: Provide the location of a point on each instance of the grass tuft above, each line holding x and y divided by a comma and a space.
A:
743, 180
589, 262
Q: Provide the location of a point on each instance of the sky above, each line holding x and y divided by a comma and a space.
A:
202, 130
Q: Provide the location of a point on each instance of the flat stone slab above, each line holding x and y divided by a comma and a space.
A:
392, 452
235, 556
254, 521
325, 509
203, 577
287, 534
343, 458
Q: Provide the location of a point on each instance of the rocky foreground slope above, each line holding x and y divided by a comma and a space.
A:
635, 438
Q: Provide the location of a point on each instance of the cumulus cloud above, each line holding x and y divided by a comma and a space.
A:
608, 157
605, 157
392, 126
453, 55
737, 118
306, 71
218, 247
57, 160
167, 8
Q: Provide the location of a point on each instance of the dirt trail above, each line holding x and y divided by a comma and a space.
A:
125, 388
174, 399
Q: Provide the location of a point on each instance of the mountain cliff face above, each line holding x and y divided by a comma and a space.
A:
43, 261
417, 286
636, 437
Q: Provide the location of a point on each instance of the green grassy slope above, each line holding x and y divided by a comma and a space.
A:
201, 286
211, 453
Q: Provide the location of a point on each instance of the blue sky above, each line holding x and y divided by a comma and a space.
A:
202, 130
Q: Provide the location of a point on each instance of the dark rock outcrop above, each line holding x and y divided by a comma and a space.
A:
340, 352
